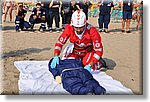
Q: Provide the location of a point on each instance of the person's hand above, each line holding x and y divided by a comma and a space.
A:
88, 67
54, 62
63, 12
34, 17
58, 79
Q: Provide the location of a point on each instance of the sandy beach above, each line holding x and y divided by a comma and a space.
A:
123, 48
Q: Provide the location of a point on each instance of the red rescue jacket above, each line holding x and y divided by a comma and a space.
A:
91, 41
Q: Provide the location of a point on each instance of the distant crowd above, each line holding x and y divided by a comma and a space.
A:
45, 11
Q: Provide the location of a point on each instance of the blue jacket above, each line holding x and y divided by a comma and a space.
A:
127, 5
75, 78
106, 6
42, 12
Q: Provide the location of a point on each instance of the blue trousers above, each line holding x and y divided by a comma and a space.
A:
76, 79
81, 82
104, 19
36, 21
21, 24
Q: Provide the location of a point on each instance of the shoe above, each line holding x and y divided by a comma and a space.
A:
62, 30
18, 30
128, 31
123, 30
57, 30
50, 30
103, 63
103, 66
42, 30
32, 30
106, 31
22, 29
100, 30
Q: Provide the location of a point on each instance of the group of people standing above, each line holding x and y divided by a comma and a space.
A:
46, 11
127, 6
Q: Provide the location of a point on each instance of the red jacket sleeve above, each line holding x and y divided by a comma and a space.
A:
62, 40
97, 44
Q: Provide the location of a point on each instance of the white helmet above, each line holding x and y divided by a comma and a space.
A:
78, 18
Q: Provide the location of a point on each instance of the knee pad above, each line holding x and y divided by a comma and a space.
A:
17, 22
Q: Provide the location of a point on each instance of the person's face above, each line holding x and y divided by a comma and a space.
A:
38, 7
84, 1
20, 7
42, 4
79, 30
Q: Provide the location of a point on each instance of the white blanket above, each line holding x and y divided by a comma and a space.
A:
35, 78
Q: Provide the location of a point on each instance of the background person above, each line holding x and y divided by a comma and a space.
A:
66, 12
106, 7
140, 15
20, 15
8, 7
85, 5
38, 16
127, 7
54, 13
45, 6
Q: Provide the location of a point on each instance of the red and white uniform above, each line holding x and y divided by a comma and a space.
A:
88, 48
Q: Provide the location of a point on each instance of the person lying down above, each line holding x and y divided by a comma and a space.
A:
75, 79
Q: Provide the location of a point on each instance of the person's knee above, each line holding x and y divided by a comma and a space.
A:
124, 20
5, 12
87, 58
26, 24
10, 12
43, 18
128, 20
31, 19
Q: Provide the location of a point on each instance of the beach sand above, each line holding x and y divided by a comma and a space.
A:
122, 48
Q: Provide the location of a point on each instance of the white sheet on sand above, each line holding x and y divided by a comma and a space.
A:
35, 78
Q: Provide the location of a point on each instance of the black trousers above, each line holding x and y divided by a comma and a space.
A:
66, 18
53, 15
